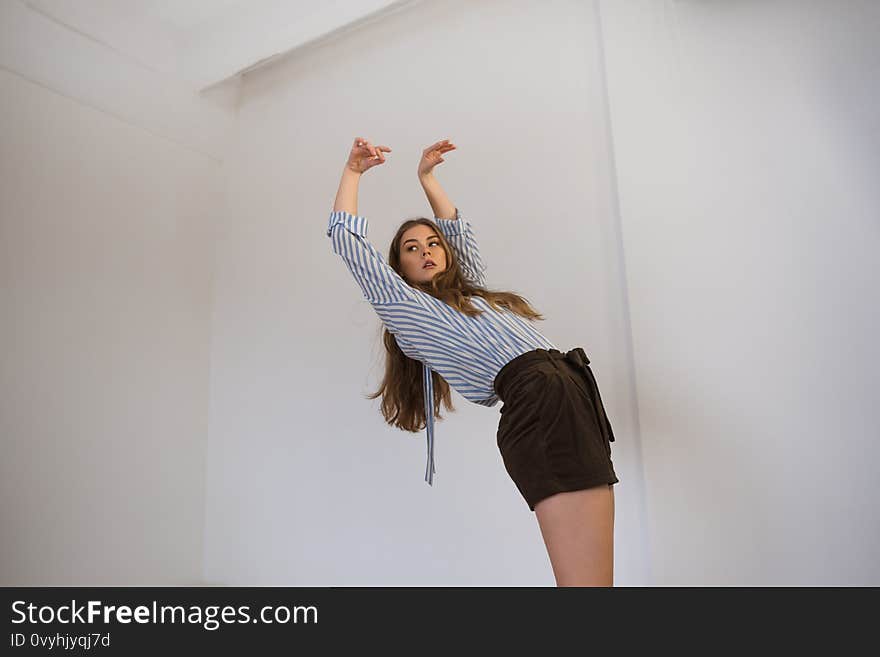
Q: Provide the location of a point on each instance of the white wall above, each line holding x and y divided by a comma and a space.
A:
686, 189
110, 185
747, 148
307, 485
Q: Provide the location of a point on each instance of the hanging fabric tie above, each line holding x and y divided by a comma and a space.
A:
428, 389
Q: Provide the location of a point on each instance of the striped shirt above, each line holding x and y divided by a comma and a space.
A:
466, 351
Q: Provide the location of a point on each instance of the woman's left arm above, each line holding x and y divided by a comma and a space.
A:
441, 205
457, 231
431, 157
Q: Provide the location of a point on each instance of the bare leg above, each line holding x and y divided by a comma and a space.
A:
578, 530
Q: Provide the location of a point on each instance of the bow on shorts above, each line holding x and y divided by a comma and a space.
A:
579, 359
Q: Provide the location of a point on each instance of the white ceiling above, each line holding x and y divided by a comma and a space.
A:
184, 14
206, 42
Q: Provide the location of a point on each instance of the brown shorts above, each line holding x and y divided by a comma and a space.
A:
553, 434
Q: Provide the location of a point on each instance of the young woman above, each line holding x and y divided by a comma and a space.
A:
444, 328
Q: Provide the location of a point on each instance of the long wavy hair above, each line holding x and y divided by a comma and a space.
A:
403, 397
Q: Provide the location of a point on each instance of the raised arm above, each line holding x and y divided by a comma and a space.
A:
431, 157
347, 230
457, 231
460, 235
363, 157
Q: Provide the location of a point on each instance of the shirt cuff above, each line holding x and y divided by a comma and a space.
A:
353, 222
451, 226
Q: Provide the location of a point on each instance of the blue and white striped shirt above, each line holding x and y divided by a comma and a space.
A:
466, 351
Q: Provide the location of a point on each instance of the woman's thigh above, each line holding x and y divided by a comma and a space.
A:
578, 530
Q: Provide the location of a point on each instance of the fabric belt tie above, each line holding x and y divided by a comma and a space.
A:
579, 358
576, 357
428, 390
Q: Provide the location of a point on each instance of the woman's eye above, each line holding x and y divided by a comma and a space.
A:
413, 246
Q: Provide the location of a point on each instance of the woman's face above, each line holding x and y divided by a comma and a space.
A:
420, 246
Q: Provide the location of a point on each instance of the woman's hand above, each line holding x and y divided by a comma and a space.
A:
364, 155
433, 155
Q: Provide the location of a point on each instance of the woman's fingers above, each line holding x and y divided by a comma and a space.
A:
366, 155
362, 143
443, 148
437, 152
370, 155
376, 151
443, 143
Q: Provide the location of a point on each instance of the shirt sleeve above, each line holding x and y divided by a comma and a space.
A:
460, 235
378, 281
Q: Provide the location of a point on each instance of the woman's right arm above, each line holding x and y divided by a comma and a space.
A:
363, 157
347, 194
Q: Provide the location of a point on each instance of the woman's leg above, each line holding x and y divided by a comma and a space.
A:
578, 530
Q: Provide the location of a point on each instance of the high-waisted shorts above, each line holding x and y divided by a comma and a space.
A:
554, 435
